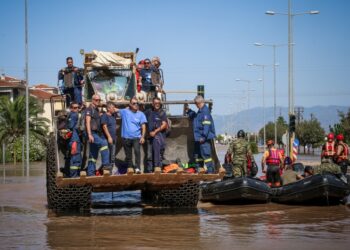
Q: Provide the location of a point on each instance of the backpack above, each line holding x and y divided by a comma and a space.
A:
82, 120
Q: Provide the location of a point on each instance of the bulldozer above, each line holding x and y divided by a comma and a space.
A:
112, 76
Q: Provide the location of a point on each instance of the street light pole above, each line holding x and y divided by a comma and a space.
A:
248, 102
274, 46
290, 61
263, 96
27, 87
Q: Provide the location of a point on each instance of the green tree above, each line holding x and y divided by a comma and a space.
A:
219, 137
282, 127
310, 132
13, 120
343, 126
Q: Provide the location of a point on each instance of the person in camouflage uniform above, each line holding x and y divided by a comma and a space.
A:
327, 166
238, 151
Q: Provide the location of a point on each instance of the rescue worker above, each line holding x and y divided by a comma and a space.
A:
328, 149
72, 81
289, 175
342, 154
157, 75
238, 152
96, 139
109, 126
146, 77
327, 166
73, 159
204, 132
273, 159
156, 126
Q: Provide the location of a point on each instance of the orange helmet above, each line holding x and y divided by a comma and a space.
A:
340, 137
270, 142
330, 136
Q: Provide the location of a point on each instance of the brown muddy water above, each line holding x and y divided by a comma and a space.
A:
26, 223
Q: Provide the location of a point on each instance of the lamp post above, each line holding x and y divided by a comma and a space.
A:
27, 86
248, 102
263, 94
290, 59
274, 46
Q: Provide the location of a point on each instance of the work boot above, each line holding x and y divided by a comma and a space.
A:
115, 171
107, 167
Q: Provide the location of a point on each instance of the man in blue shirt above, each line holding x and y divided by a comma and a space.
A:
109, 127
156, 126
133, 133
204, 132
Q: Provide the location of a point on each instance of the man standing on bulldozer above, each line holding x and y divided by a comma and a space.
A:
72, 82
204, 132
97, 141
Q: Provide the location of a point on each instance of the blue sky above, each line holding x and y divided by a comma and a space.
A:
199, 42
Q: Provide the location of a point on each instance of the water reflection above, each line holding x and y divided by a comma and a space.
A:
121, 221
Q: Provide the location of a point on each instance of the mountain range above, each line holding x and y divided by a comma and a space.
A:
252, 119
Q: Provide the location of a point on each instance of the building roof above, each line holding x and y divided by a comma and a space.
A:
11, 82
42, 94
42, 86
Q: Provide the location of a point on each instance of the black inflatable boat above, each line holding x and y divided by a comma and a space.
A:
318, 189
236, 190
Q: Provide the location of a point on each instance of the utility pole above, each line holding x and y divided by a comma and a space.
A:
27, 85
299, 111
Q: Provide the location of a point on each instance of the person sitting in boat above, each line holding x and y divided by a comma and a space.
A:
238, 152
273, 159
289, 175
327, 166
308, 171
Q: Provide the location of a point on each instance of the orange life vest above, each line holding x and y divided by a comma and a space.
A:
273, 158
345, 152
329, 149
170, 168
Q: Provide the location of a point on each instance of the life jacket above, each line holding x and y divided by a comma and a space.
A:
273, 158
329, 149
345, 152
170, 168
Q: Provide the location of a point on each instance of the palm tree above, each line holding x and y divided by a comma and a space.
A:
12, 120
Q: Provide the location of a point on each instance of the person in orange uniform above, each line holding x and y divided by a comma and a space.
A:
328, 149
342, 154
273, 159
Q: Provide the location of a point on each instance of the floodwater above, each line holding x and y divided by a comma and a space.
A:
26, 223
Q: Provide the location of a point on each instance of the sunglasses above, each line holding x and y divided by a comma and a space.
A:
134, 103
97, 100
76, 107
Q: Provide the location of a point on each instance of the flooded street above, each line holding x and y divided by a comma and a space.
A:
25, 222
